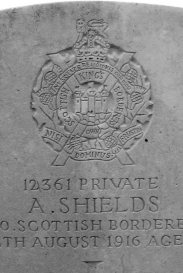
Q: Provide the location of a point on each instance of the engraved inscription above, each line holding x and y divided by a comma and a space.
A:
92, 102
78, 220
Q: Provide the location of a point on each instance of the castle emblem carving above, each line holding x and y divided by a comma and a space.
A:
92, 101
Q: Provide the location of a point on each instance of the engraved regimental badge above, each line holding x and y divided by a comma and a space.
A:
92, 101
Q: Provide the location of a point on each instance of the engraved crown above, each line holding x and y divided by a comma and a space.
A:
91, 43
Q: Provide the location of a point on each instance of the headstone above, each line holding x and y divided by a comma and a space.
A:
91, 139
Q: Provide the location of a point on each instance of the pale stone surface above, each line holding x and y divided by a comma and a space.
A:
91, 130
